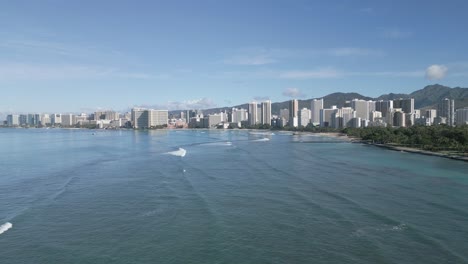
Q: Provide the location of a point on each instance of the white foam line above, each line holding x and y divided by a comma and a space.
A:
180, 153
262, 139
5, 227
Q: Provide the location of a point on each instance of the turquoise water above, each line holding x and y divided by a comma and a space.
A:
83, 196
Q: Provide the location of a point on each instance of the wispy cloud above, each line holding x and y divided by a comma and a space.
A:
310, 74
293, 93
261, 98
200, 103
250, 60
29, 71
263, 56
395, 33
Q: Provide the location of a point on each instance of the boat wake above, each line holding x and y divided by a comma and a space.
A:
5, 227
180, 152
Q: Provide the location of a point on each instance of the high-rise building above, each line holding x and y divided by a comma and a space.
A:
157, 117
293, 112
462, 116
106, 115
315, 106
363, 108
399, 117
45, 119
447, 110
384, 107
139, 118
68, 120
238, 115
343, 117
56, 119
375, 116
13, 120
406, 104
266, 113
23, 120
253, 114
146, 118
430, 115
304, 117
326, 116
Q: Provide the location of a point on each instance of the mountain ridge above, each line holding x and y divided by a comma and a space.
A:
425, 98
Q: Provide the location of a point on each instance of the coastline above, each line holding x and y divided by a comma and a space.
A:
416, 151
347, 138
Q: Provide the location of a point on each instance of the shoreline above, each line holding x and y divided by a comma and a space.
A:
417, 151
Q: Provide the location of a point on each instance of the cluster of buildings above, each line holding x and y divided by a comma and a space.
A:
256, 114
355, 113
100, 119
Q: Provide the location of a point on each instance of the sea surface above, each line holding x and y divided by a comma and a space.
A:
211, 196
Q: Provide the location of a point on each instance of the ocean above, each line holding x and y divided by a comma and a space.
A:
224, 196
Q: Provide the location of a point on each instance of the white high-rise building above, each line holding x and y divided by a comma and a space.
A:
45, 119
68, 120
363, 108
343, 117
447, 110
462, 116
157, 117
56, 119
266, 113
326, 116
304, 117
375, 115
430, 115
238, 115
315, 106
253, 114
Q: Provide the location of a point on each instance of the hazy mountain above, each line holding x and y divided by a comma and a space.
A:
428, 97
431, 95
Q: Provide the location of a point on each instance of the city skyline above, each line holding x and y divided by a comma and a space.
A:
117, 55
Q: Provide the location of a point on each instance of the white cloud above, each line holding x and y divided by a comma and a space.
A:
201, 103
312, 74
436, 72
293, 93
250, 60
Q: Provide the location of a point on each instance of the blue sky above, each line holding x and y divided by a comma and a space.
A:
74, 56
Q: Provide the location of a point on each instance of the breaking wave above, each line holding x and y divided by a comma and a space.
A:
5, 227
261, 140
262, 133
180, 152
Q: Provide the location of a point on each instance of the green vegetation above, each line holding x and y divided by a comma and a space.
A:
432, 138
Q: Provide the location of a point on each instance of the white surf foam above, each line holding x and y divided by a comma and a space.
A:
227, 143
261, 140
5, 227
180, 152
262, 133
